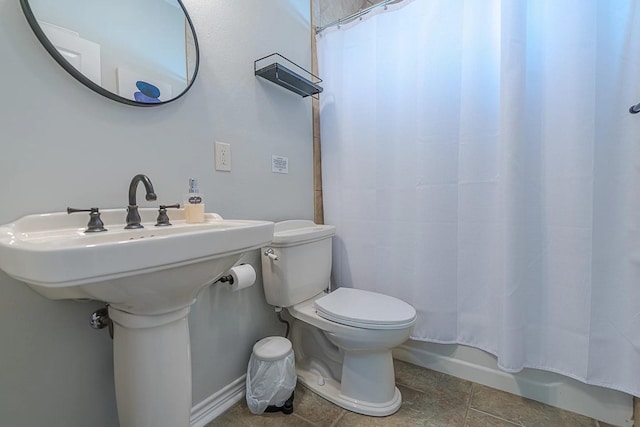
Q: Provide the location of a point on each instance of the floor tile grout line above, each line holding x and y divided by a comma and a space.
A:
466, 412
410, 388
335, 422
497, 417
304, 419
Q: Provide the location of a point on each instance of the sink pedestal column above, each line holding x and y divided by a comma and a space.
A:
152, 368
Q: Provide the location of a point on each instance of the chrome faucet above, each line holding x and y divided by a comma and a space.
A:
133, 217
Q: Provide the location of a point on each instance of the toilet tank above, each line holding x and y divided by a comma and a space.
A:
303, 267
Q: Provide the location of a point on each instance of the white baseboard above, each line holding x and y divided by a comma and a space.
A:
609, 406
214, 405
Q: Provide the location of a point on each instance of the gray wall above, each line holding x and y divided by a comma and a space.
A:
63, 145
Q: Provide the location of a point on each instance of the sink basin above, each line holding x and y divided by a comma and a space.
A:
150, 277
144, 271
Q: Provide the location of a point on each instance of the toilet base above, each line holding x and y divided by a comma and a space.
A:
331, 390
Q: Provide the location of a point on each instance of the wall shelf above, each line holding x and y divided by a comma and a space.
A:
272, 69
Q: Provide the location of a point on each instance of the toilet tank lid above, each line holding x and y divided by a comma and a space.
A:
293, 232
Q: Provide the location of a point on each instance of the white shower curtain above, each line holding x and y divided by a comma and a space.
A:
479, 162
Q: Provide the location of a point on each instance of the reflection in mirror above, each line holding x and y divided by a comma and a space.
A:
142, 52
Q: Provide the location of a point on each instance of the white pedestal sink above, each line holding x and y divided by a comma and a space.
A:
149, 277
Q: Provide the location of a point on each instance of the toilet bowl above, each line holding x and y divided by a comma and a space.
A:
342, 340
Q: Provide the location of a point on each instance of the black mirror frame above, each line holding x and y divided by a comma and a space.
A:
33, 23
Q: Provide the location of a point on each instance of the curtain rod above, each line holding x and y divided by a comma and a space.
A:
356, 15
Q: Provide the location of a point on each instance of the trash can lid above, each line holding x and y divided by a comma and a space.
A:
272, 348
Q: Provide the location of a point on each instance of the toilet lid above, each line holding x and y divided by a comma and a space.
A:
364, 309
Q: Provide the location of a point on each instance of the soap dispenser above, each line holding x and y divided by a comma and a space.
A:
193, 204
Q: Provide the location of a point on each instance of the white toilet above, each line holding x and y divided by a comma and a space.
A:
342, 340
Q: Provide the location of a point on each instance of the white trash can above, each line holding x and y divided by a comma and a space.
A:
271, 376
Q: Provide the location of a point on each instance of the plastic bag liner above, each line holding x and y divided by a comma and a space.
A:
270, 382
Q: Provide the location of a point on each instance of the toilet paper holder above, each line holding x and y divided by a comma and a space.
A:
239, 277
225, 279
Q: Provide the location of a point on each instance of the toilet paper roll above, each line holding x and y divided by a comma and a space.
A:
243, 276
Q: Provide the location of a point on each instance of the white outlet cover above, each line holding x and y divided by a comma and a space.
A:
223, 157
279, 164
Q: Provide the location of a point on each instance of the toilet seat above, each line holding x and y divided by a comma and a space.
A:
364, 309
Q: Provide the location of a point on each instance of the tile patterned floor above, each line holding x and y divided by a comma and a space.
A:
429, 399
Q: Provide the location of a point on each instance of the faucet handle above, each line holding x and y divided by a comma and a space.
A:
163, 218
95, 224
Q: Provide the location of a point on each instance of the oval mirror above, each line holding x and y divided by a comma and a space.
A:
142, 52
